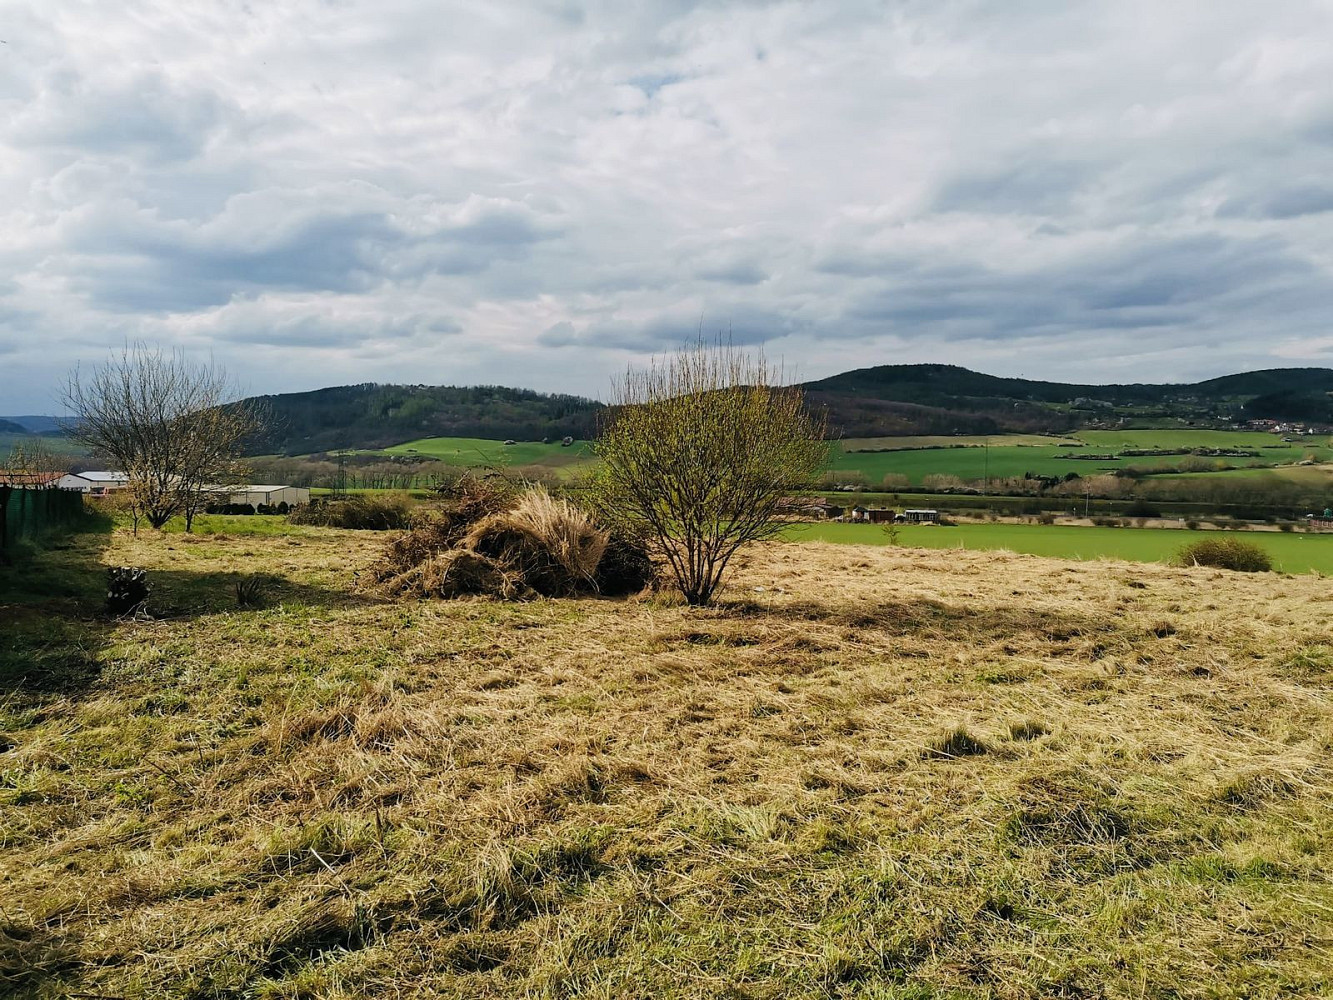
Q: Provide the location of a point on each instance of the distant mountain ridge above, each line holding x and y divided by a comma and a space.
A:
29, 424
947, 399
886, 400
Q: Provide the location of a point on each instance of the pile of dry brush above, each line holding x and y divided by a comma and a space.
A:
487, 539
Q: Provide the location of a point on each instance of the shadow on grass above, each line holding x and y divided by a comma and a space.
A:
185, 594
51, 591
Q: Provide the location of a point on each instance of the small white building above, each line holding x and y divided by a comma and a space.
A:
270, 495
95, 483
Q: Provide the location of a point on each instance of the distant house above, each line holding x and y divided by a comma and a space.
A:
881, 515
95, 483
812, 507
921, 516
269, 495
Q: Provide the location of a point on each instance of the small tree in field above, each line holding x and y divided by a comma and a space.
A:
167, 423
697, 454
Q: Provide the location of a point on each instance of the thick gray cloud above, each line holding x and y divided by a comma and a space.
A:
318, 192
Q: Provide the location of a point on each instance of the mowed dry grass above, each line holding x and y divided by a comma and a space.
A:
887, 773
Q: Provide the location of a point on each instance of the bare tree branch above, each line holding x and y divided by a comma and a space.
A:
168, 423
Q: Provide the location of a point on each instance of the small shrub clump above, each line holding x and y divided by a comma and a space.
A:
368, 513
1225, 553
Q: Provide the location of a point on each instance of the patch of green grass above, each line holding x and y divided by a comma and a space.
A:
269, 525
54, 444
1290, 552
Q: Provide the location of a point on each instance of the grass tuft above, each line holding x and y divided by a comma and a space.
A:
1028, 731
956, 743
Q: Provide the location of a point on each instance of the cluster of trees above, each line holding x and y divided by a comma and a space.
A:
169, 424
374, 472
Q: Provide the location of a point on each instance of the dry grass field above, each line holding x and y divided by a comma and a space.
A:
870, 773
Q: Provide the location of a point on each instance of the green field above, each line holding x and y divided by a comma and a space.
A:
971, 459
1304, 475
956, 441
471, 452
1010, 456
1291, 552
53, 443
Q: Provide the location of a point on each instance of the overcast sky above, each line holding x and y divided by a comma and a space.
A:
318, 192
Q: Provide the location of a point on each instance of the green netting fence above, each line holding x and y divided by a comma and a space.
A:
26, 513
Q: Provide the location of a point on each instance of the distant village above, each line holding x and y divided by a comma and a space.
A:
105, 483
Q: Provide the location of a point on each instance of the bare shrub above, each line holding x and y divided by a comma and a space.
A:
698, 455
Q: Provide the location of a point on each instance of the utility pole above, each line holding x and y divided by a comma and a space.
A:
985, 483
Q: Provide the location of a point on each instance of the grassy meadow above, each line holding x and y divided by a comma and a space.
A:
870, 772
1008, 456
1291, 552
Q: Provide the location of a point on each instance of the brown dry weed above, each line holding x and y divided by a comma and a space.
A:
867, 773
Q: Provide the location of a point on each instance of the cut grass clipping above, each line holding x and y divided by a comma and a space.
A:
1225, 553
336, 796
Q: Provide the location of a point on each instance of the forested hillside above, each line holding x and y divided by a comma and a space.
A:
869, 402
377, 416
947, 399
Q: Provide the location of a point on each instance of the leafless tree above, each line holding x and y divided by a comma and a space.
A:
698, 453
170, 424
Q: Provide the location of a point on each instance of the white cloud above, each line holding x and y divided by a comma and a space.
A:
321, 191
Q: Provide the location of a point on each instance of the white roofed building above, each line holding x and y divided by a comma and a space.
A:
95, 483
270, 495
